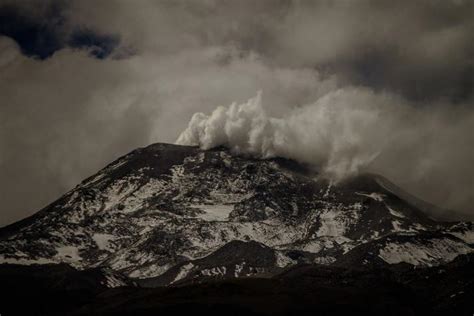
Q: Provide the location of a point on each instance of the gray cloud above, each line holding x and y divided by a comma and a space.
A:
423, 49
63, 118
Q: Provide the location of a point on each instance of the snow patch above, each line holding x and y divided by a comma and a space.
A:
117, 192
428, 254
150, 271
183, 272
326, 194
336, 221
68, 254
136, 199
313, 246
467, 236
214, 213
283, 260
216, 271
397, 226
111, 281
324, 260
394, 213
238, 269
24, 261
103, 241
374, 196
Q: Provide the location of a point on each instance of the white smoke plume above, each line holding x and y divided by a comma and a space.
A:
344, 132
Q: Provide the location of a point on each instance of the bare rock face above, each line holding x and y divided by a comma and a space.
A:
169, 214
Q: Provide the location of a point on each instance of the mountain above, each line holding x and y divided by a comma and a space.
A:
179, 216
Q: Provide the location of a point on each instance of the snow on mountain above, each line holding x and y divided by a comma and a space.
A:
172, 214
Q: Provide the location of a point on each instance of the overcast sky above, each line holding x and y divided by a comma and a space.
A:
84, 82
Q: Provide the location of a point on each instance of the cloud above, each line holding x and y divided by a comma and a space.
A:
353, 130
41, 29
10, 51
336, 133
422, 50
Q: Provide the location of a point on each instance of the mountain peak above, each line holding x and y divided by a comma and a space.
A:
163, 207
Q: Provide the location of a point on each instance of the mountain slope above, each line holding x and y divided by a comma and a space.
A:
175, 214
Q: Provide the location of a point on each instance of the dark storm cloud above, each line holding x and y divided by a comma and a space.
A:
67, 115
41, 34
422, 49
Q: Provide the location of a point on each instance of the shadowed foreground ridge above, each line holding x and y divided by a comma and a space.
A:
171, 228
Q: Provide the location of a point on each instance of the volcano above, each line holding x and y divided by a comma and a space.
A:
167, 221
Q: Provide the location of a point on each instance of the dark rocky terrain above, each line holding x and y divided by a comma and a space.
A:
171, 228
301, 290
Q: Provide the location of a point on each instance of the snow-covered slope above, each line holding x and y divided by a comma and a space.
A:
167, 212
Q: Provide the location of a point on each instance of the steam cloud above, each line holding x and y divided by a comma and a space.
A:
343, 132
327, 133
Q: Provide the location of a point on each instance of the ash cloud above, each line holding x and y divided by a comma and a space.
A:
389, 85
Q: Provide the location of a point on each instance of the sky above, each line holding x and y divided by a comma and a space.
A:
354, 86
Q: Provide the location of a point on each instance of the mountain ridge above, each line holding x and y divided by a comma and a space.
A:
163, 207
